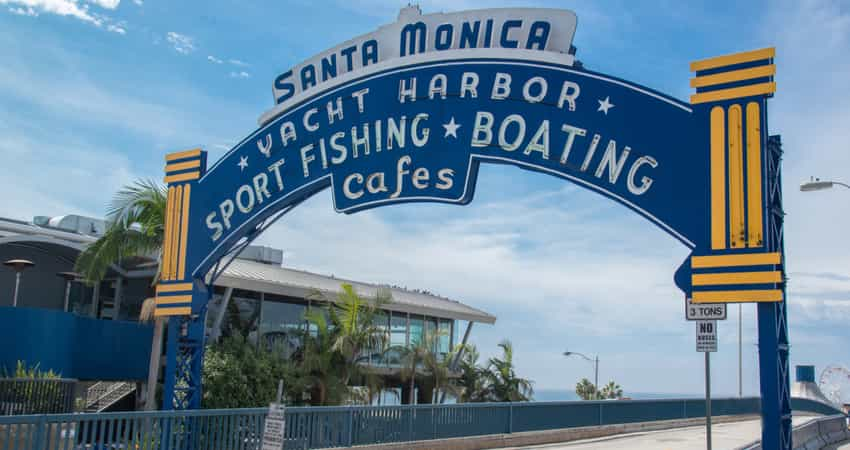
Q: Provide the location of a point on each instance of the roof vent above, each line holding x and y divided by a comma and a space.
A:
262, 254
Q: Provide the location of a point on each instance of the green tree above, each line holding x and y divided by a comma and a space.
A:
321, 363
472, 382
135, 226
586, 390
354, 330
503, 383
419, 361
611, 390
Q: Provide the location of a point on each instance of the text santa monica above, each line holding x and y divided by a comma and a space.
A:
415, 33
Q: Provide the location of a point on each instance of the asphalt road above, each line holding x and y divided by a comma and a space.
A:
724, 436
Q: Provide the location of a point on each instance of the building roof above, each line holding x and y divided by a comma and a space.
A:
260, 277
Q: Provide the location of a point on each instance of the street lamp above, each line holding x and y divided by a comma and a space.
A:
68, 277
18, 265
816, 184
595, 362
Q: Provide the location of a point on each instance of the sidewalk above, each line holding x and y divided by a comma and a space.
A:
724, 436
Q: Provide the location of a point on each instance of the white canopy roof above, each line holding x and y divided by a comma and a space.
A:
254, 276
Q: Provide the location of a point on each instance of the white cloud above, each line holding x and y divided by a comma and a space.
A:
139, 2
182, 43
240, 74
108, 4
117, 28
69, 8
214, 60
237, 62
28, 11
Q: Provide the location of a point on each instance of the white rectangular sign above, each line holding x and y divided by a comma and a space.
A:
273, 432
706, 336
704, 311
542, 29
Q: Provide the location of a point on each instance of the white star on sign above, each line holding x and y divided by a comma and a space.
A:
605, 105
451, 128
243, 162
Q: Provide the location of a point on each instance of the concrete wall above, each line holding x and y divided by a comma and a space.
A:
816, 434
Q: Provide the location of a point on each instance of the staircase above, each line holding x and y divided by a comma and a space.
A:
104, 394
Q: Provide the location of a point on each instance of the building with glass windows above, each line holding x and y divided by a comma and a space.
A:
93, 333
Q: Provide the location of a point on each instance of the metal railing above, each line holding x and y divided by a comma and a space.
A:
324, 427
36, 396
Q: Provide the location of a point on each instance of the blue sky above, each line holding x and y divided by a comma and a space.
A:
94, 93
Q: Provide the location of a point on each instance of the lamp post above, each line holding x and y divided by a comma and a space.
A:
18, 265
816, 184
68, 277
595, 362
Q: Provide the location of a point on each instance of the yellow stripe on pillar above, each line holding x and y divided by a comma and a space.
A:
736, 178
166, 243
175, 231
184, 232
754, 184
718, 178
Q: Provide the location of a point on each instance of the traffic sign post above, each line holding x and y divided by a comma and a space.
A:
704, 311
275, 426
707, 343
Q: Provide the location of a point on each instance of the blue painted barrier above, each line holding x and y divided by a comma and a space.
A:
329, 427
74, 346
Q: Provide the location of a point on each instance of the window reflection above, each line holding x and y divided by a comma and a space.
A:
416, 324
282, 323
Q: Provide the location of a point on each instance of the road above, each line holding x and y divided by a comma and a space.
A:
724, 436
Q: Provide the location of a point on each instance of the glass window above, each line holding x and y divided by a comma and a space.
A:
445, 345
398, 329
398, 336
374, 355
242, 315
431, 332
415, 330
282, 323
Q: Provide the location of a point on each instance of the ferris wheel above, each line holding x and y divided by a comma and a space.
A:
834, 383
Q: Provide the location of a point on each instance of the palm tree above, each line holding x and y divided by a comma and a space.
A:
321, 363
504, 384
586, 390
612, 390
355, 331
413, 359
135, 226
472, 382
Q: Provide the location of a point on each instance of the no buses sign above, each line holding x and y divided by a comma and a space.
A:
706, 336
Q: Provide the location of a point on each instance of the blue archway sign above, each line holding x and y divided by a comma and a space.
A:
409, 113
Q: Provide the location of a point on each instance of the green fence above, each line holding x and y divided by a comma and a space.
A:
36, 396
324, 427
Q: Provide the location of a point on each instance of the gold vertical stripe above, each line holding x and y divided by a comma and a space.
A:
175, 232
736, 179
166, 242
184, 231
754, 187
718, 178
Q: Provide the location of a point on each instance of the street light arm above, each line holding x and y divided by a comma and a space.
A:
841, 184
587, 358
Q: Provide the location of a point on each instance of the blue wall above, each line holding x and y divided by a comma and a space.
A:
75, 346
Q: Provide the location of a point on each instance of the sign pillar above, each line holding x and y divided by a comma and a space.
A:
707, 343
745, 235
177, 289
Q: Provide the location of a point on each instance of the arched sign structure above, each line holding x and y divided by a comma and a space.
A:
409, 112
